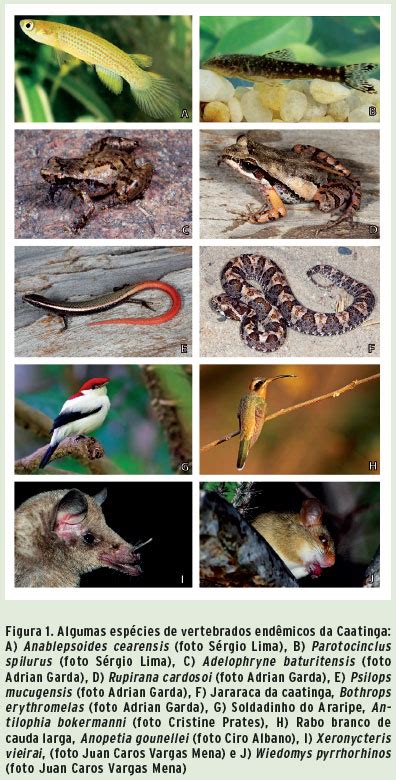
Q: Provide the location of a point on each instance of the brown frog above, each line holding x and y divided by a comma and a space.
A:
108, 171
302, 174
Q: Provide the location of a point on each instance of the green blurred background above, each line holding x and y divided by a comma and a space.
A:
131, 435
44, 93
331, 40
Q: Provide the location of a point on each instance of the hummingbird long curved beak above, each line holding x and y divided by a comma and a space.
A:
280, 376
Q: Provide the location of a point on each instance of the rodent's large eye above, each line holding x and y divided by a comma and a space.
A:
324, 540
88, 539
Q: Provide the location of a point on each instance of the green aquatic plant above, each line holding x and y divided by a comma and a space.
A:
73, 93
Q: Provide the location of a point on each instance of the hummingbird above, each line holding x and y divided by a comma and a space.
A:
252, 412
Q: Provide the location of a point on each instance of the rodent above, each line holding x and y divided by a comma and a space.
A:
300, 539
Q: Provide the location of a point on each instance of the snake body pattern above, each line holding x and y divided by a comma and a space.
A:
266, 314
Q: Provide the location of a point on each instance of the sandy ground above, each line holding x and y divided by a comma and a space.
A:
222, 339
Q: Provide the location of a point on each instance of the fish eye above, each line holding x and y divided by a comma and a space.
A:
88, 538
29, 25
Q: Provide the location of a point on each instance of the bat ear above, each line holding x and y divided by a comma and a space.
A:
311, 513
70, 514
100, 497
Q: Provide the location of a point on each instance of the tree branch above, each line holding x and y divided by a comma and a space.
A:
372, 574
170, 391
332, 394
86, 450
232, 553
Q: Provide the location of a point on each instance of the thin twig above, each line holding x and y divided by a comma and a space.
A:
332, 394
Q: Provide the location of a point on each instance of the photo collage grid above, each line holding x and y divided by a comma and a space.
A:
194, 334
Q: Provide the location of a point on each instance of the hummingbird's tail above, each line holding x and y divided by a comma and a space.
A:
244, 447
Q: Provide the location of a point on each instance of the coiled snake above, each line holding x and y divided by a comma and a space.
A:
266, 314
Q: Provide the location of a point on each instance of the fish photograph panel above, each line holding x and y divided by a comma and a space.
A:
290, 419
290, 69
103, 184
258, 302
95, 535
290, 184
103, 419
290, 535
91, 301
101, 68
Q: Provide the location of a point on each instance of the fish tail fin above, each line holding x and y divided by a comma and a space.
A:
355, 76
244, 447
155, 96
47, 455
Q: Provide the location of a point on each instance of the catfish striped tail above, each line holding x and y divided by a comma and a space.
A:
157, 96
47, 455
355, 76
244, 447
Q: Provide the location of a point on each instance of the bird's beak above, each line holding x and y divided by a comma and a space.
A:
280, 376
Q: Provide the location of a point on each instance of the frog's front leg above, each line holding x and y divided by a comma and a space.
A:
274, 208
53, 192
82, 220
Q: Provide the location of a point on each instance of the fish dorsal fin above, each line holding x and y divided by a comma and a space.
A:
281, 54
142, 60
111, 80
63, 58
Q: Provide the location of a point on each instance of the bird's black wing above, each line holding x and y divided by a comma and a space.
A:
67, 417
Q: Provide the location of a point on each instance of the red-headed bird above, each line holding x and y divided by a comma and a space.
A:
82, 413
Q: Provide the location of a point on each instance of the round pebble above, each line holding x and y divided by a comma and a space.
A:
239, 91
340, 110
271, 95
327, 91
214, 87
235, 109
292, 101
314, 111
215, 111
253, 109
293, 106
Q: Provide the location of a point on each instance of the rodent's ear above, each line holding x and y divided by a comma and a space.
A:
100, 497
70, 514
311, 512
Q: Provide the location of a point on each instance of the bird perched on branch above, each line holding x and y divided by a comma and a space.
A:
251, 414
82, 413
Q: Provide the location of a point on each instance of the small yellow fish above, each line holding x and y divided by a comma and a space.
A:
153, 93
